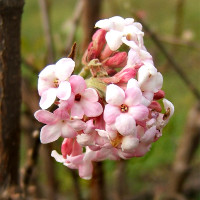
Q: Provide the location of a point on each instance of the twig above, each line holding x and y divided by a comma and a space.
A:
31, 160
77, 190
178, 28
120, 177
170, 58
47, 30
72, 52
179, 42
97, 186
91, 14
74, 24
186, 150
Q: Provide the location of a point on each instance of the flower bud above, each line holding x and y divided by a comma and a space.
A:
159, 95
155, 106
118, 60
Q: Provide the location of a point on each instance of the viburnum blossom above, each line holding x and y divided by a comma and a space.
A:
53, 82
57, 125
124, 108
85, 99
114, 108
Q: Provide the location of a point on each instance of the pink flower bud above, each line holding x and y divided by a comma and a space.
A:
99, 39
121, 77
159, 95
155, 106
106, 53
118, 60
66, 148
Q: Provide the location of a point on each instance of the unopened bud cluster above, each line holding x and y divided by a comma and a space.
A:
112, 109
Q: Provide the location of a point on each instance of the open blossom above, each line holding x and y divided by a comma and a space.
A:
120, 30
85, 99
73, 157
149, 79
53, 82
58, 125
124, 108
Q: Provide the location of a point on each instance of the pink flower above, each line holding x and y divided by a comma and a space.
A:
53, 82
163, 119
149, 79
58, 125
120, 31
73, 157
124, 108
85, 99
126, 143
137, 58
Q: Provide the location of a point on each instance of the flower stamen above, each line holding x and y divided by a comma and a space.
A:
124, 108
56, 83
77, 97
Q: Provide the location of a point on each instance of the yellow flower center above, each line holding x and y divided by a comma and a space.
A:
124, 108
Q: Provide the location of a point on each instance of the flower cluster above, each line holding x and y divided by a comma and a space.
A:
113, 108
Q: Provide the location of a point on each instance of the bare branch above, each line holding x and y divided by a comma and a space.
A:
47, 30
74, 24
186, 150
10, 95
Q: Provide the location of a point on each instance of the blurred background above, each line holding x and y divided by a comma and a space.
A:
49, 28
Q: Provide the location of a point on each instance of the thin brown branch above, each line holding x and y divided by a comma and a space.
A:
179, 14
180, 42
97, 185
47, 30
169, 58
186, 150
76, 188
120, 177
31, 160
91, 15
72, 52
74, 22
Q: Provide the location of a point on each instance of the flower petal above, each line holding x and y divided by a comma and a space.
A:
67, 131
58, 157
149, 135
48, 97
133, 96
45, 117
78, 84
46, 79
111, 113
91, 95
139, 112
114, 39
132, 83
91, 109
129, 143
50, 133
77, 124
104, 24
85, 170
125, 124
114, 95
64, 68
64, 90
169, 107
77, 111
